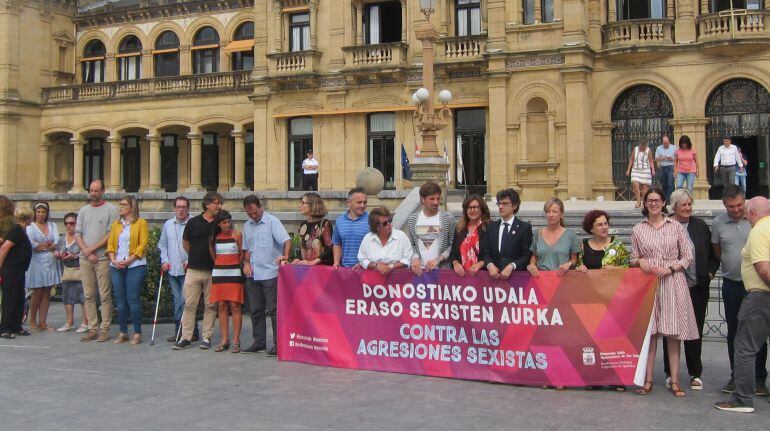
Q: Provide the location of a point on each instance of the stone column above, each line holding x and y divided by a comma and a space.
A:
43, 183
523, 137
110, 68
557, 10
224, 60
695, 128
78, 146
603, 184
359, 24
147, 64
685, 24
262, 123
704, 7
185, 60
239, 136
612, 15
155, 140
498, 133
538, 11
278, 28
404, 20
313, 24
577, 92
552, 136
670, 9
115, 185
195, 161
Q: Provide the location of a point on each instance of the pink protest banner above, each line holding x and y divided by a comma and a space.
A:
576, 330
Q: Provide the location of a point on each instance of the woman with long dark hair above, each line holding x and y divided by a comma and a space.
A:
470, 237
227, 279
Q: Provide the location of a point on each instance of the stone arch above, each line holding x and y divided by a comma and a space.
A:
93, 130
720, 75
152, 37
88, 37
172, 122
547, 90
236, 22
58, 130
130, 127
125, 32
607, 96
215, 120
198, 24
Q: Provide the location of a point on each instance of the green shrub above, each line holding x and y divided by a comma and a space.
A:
150, 289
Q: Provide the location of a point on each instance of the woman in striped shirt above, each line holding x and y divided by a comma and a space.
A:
661, 247
641, 170
227, 279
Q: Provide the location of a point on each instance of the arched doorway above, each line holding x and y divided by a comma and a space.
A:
640, 112
739, 109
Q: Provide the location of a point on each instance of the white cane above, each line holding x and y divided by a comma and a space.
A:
157, 304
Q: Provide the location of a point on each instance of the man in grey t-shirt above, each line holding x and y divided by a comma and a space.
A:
91, 232
729, 233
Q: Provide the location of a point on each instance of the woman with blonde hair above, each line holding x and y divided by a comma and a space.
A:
15, 257
315, 233
126, 248
554, 247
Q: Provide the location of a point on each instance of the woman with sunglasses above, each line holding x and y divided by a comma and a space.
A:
661, 247
68, 253
470, 237
315, 233
384, 249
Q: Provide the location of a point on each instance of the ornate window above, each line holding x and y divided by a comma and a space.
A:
640, 9
382, 22
243, 47
299, 31
166, 54
381, 134
300, 142
206, 51
92, 62
640, 112
720, 5
467, 17
537, 11
129, 59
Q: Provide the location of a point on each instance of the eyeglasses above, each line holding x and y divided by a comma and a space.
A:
504, 203
69, 223
304, 203
474, 207
386, 223
181, 207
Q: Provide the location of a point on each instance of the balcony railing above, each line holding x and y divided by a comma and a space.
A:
293, 63
638, 32
463, 48
722, 25
211, 82
379, 55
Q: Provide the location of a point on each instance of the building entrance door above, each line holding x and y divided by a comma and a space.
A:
755, 152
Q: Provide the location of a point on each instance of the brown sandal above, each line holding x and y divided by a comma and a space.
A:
646, 389
676, 390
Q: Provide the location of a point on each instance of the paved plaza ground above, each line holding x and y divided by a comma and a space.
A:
52, 381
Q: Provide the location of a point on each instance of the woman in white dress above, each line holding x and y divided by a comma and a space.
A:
641, 169
43, 272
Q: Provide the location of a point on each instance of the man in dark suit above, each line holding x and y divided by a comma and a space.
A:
508, 239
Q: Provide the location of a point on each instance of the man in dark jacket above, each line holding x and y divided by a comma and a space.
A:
508, 239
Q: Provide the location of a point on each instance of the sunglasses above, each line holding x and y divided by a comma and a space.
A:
69, 223
386, 223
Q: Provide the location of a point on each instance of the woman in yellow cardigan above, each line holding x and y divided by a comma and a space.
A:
128, 267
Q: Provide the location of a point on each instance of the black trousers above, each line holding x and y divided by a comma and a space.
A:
262, 295
733, 293
699, 294
12, 309
310, 182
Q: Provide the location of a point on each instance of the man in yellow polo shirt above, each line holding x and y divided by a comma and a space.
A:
754, 317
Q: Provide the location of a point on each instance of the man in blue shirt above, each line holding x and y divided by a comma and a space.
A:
664, 157
173, 260
350, 229
266, 244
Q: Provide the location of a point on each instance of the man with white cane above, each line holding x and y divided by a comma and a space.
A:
196, 242
173, 259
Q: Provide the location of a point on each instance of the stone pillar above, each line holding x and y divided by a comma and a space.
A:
538, 11
496, 36
195, 161
404, 20
523, 137
278, 28
704, 7
558, 13
155, 140
552, 136
239, 136
78, 146
43, 183
695, 128
670, 8
612, 14
224, 60
578, 93
185, 60
115, 185
313, 24
147, 64
261, 125
359, 24
498, 133
110, 68
601, 160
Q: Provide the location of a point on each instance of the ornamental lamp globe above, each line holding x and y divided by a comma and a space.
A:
428, 7
445, 96
422, 94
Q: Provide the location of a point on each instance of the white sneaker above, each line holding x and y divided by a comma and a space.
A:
65, 328
668, 382
82, 329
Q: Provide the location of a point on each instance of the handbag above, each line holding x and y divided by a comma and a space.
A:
71, 274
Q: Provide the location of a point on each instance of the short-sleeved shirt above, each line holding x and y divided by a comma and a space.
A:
757, 250
20, 255
550, 257
664, 152
349, 233
731, 237
686, 161
264, 241
94, 222
198, 232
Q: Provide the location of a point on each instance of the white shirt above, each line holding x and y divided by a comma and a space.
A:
727, 156
428, 230
397, 249
500, 235
124, 241
310, 166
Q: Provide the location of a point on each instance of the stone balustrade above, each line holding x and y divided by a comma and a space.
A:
378, 55
723, 25
638, 32
212, 82
464, 48
293, 63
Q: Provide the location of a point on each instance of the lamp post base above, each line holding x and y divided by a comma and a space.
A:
426, 169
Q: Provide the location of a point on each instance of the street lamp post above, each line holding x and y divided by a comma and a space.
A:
429, 165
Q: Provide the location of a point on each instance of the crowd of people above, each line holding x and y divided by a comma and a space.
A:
102, 257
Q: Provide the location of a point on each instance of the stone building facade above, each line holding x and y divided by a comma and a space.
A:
549, 96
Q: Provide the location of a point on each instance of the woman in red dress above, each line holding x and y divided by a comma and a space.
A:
470, 236
227, 279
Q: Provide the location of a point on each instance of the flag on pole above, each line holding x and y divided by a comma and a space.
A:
446, 159
460, 165
406, 170
416, 149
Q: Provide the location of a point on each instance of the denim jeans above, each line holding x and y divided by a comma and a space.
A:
740, 181
666, 174
733, 293
681, 177
127, 288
